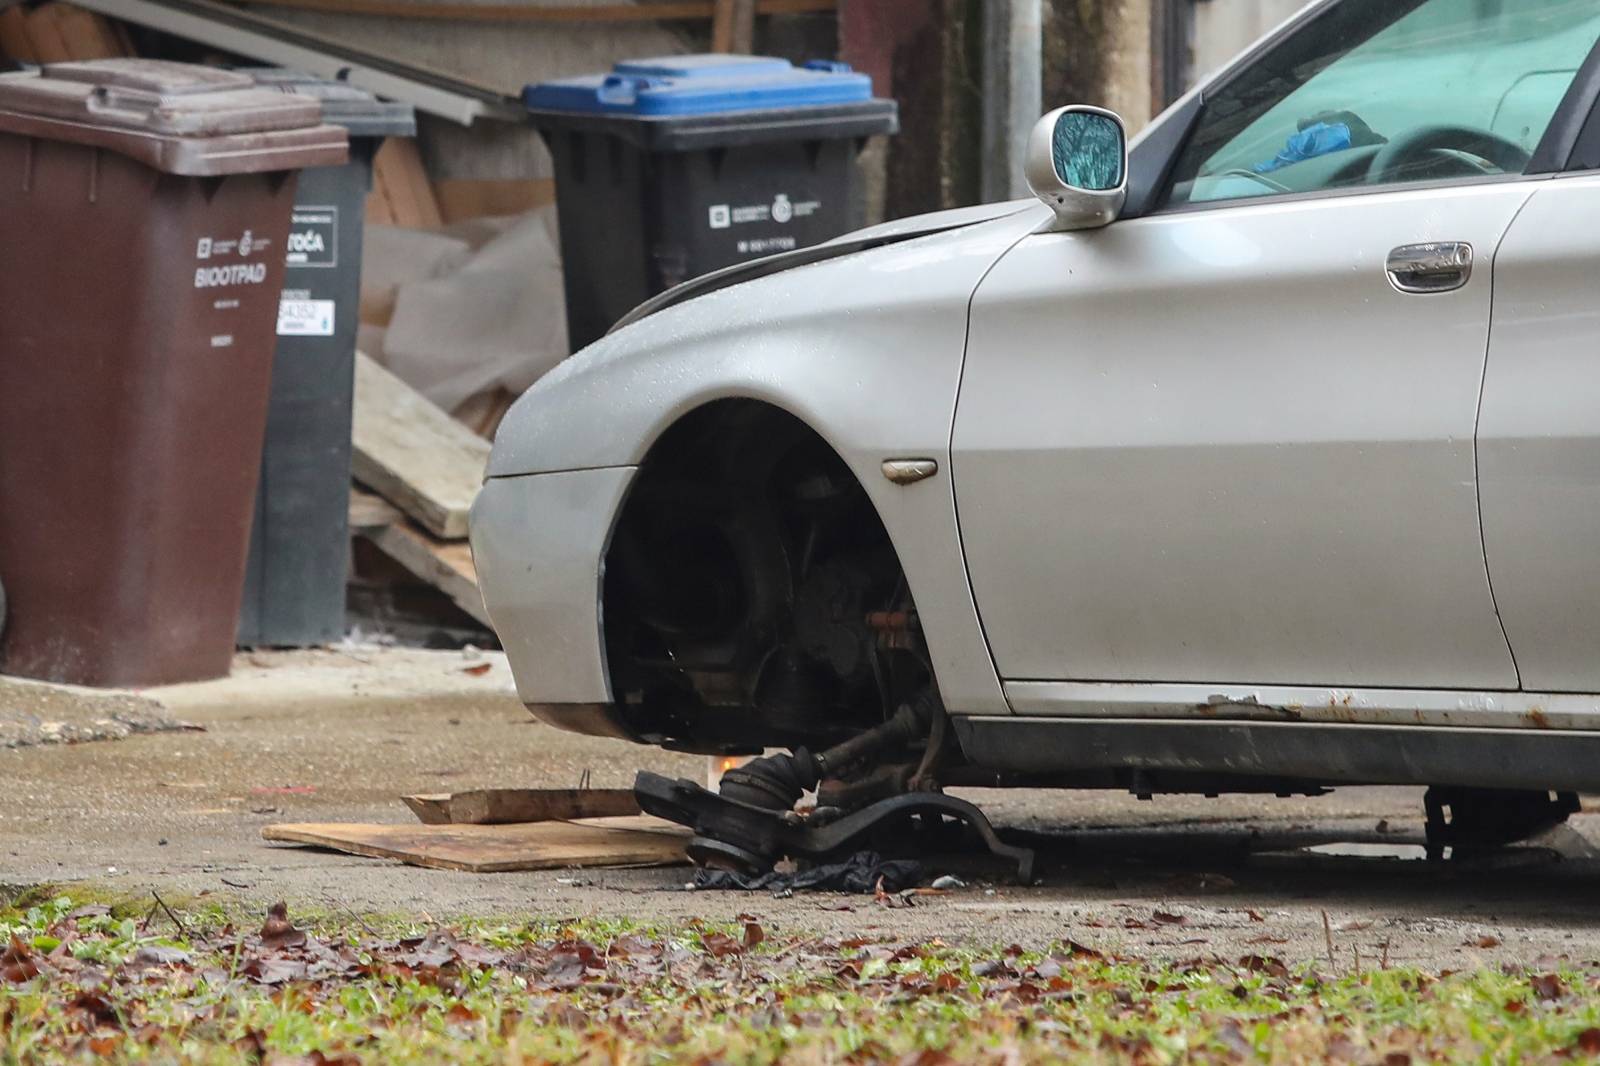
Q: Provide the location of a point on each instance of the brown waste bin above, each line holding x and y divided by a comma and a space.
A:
144, 212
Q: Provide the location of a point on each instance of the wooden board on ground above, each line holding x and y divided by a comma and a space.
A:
412, 453
446, 565
637, 841
504, 806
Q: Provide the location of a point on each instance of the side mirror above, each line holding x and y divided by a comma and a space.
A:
1077, 162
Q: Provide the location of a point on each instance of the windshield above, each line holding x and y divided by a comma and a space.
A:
1312, 112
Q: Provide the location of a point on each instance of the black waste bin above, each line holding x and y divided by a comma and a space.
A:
294, 590
669, 168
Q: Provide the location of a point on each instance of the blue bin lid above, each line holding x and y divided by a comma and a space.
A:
701, 84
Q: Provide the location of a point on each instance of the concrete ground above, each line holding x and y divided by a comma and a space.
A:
338, 735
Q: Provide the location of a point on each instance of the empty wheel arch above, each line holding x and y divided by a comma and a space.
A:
739, 583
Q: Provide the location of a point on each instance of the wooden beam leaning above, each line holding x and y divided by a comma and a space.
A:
733, 26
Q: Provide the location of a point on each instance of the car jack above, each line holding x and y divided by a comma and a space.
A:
734, 835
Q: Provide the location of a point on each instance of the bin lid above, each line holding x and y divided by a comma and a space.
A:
668, 86
178, 117
358, 111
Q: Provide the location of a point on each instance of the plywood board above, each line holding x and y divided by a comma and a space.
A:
637, 841
503, 806
431, 809
446, 565
412, 453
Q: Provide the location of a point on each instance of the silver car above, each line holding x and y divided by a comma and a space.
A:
1260, 454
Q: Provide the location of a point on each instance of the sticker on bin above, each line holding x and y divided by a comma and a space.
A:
305, 318
314, 237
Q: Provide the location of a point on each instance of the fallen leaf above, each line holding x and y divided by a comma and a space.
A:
753, 934
278, 931
1547, 986
161, 955
1232, 1037
273, 970
1265, 964
720, 945
477, 670
1588, 1041
1484, 941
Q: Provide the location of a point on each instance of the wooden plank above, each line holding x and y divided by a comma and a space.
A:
416, 175
430, 808
506, 806
44, 30
83, 35
404, 179
412, 453
380, 209
14, 40
637, 841
391, 183
370, 512
447, 566
463, 198
733, 26
538, 13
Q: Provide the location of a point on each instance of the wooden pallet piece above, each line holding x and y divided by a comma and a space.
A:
86, 34
636, 841
44, 31
400, 183
14, 40
506, 806
412, 453
445, 565
368, 512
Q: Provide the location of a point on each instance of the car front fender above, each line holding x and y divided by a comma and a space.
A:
866, 350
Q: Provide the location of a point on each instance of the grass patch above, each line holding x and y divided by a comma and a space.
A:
83, 981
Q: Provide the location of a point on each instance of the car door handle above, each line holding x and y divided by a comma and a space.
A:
1439, 266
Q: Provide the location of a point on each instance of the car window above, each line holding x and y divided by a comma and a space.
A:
1384, 91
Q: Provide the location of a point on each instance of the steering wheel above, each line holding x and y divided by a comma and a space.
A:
1408, 148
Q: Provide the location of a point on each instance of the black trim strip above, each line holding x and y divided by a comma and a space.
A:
1315, 753
1573, 117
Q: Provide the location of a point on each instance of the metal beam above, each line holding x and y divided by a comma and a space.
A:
1012, 92
247, 34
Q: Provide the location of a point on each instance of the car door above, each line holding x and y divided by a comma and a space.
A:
1232, 440
1539, 437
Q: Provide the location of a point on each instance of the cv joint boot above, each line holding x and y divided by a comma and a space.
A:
773, 782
